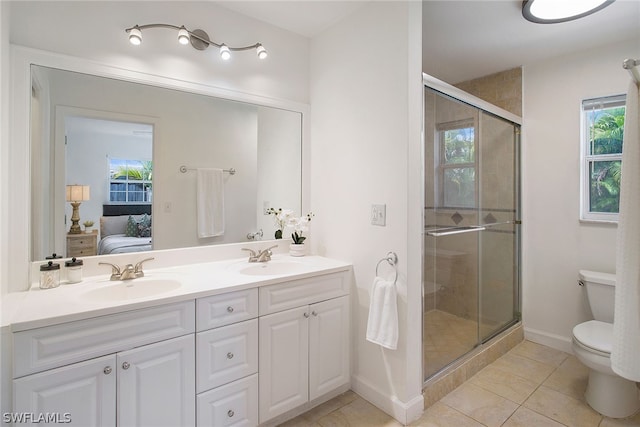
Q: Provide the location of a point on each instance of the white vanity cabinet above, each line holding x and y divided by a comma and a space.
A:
227, 359
304, 350
238, 358
137, 368
83, 393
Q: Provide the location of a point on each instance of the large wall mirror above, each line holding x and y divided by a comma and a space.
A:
128, 142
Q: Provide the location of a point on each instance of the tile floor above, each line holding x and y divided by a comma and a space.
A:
530, 386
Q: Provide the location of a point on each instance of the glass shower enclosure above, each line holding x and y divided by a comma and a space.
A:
471, 244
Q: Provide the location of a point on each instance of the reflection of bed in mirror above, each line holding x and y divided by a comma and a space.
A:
116, 237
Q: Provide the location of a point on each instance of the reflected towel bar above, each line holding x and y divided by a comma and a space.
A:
230, 171
447, 231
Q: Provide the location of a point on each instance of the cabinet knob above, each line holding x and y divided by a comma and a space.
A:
229, 355
230, 309
125, 365
107, 370
230, 413
306, 314
314, 313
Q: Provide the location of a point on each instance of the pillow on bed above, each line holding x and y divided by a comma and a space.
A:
132, 227
140, 228
144, 226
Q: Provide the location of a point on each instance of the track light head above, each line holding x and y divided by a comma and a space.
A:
183, 36
135, 36
261, 51
225, 53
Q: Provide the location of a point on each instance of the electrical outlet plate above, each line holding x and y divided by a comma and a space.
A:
379, 215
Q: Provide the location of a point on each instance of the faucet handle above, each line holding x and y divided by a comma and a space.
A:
251, 251
115, 270
138, 268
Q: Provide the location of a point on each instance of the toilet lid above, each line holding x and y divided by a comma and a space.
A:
595, 334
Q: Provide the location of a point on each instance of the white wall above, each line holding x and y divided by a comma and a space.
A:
365, 92
279, 169
95, 30
555, 243
4, 141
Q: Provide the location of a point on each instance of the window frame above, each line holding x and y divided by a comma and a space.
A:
127, 181
586, 159
442, 166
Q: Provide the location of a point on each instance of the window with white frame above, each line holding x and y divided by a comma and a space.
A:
602, 137
457, 164
130, 181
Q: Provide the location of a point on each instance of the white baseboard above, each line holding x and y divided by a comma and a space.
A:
403, 412
558, 342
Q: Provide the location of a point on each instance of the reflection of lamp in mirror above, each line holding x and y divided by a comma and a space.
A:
76, 194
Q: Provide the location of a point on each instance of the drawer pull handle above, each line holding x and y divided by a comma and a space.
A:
230, 413
229, 355
314, 313
107, 370
306, 315
230, 309
125, 365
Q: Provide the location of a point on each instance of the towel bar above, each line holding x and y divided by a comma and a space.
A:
230, 171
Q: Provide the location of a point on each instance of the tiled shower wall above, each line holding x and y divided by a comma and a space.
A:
503, 89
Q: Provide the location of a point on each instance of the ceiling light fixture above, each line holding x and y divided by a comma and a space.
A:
555, 11
198, 39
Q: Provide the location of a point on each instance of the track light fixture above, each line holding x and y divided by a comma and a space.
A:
197, 38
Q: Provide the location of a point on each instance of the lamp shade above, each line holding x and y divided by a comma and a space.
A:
77, 193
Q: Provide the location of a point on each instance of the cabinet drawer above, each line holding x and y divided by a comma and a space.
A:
226, 354
52, 346
81, 244
224, 309
287, 295
234, 404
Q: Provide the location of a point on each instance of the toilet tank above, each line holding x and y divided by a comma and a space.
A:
600, 293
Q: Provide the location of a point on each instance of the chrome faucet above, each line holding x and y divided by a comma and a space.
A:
260, 256
128, 272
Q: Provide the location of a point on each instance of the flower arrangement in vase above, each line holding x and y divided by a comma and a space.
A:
281, 218
299, 225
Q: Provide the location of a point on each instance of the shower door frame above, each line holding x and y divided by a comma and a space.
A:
444, 88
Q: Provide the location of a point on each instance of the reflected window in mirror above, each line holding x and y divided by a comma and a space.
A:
130, 181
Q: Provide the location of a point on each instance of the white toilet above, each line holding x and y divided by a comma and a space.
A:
607, 393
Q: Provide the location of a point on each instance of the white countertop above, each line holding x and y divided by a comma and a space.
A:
68, 302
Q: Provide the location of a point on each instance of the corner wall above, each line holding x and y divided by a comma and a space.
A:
555, 243
366, 104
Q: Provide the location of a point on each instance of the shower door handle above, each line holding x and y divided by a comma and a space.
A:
448, 231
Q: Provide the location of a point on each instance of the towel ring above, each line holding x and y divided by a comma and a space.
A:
392, 259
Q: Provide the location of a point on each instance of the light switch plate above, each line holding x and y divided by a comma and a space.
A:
379, 215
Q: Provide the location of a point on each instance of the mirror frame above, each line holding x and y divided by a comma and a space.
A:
22, 59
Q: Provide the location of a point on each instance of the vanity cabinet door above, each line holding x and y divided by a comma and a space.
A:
329, 356
82, 394
156, 384
284, 361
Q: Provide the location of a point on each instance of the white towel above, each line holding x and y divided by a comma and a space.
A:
382, 325
625, 353
210, 202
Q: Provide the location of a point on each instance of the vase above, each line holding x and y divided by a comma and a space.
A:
88, 230
296, 249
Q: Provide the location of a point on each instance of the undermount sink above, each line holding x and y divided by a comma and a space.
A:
273, 268
132, 289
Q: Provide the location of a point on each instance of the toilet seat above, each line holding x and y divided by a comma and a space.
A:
595, 336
